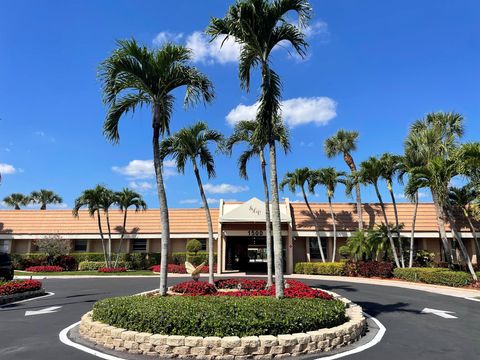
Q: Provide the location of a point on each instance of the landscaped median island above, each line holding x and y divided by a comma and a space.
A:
19, 289
236, 318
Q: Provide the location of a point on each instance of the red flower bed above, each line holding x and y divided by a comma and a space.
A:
47, 268
178, 269
112, 269
15, 287
194, 288
241, 284
293, 289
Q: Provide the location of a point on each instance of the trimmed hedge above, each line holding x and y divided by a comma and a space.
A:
381, 269
179, 258
320, 268
437, 276
95, 265
219, 316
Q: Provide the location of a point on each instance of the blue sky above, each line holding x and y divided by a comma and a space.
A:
373, 66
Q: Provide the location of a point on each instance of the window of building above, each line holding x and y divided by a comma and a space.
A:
80, 245
139, 245
315, 250
4, 245
204, 244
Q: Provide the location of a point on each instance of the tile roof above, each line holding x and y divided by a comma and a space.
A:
63, 222
184, 221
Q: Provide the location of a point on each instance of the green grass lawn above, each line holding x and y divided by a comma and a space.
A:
84, 273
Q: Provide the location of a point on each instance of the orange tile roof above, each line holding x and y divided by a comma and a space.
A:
345, 214
187, 221
63, 222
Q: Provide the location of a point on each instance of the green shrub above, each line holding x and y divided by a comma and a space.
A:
95, 265
320, 268
437, 276
194, 246
179, 258
219, 316
344, 251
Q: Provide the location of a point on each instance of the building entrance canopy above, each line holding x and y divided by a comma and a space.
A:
251, 211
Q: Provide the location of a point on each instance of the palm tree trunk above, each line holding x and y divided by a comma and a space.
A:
109, 239
389, 233
397, 225
317, 228
277, 227
162, 197
441, 228
99, 222
353, 169
412, 234
268, 223
43, 207
334, 223
459, 239
474, 234
121, 237
209, 223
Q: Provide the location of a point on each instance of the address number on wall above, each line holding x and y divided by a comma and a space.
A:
255, 232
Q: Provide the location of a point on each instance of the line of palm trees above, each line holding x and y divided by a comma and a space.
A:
134, 76
432, 158
99, 201
41, 197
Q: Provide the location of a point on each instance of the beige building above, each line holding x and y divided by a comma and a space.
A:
239, 230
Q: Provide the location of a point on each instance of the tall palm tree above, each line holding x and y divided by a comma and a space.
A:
391, 165
45, 197
344, 142
300, 178
244, 132
463, 197
436, 176
328, 177
409, 161
134, 76
126, 199
16, 200
434, 139
191, 144
259, 26
93, 200
370, 172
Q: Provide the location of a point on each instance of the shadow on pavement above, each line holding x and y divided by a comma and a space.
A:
374, 309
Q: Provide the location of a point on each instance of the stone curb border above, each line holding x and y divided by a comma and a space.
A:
229, 347
6, 299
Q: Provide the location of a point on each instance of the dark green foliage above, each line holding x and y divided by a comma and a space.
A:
219, 316
194, 246
344, 251
320, 268
437, 276
179, 258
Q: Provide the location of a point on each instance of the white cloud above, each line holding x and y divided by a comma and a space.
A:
213, 201
143, 169
297, 111
140, 185
7, 149
166, 36
209, 52
421, 195
317, 28
189, 201
7, 169
305, 144
224, 188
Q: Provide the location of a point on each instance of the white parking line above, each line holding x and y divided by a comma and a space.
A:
376, 339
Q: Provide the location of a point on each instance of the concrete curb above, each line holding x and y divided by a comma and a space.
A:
7, 299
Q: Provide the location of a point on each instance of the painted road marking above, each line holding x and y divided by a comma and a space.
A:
442, 313
48, 310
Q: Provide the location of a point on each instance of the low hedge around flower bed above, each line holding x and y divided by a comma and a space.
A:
47, 268
21, 286
219, 316
437, 276
380, 269
320, 268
